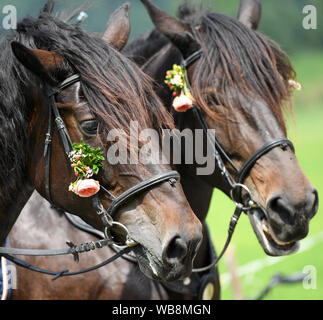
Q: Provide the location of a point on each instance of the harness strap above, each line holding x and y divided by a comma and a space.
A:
248, 165
218, 151
78, 223
244, 170
236, 185
195, 285
73, 249
65, 273
233, 222
192, 58
48, 154
69, 81
171, 176
65, 138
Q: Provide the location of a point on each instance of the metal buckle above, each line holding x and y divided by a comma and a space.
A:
60, 123
48, 138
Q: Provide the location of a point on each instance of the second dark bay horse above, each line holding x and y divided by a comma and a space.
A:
240, 85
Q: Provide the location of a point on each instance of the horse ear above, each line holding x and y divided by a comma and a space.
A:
37, 61
118, 28
178, 32
250, 13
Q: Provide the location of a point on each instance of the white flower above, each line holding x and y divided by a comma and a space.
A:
177, 81
89, 173
294, 84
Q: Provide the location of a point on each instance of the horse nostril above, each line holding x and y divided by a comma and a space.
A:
278, 205
175, 251
288, 211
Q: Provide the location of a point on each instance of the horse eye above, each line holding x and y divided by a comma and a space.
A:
89, 127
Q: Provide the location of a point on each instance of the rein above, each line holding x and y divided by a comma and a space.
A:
106, 215
235, 184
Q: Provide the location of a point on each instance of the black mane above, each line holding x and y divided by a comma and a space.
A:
145, 46
109, 81
252, 64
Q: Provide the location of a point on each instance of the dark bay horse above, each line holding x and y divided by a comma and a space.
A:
157, 54
118, 280
104, 94
240, 84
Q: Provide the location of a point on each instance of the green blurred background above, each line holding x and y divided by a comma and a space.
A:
282, 21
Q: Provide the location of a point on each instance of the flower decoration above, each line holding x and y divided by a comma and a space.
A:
85, 188
183, 103
175, 79
85, 162
295, 85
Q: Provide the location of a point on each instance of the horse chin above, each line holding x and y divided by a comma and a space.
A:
266, 237
154, 269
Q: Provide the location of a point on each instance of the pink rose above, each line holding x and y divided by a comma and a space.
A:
182, 103
87, 188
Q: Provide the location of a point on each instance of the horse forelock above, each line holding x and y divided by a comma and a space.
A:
109, 81
251, 64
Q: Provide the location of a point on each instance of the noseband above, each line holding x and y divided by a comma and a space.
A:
236, 186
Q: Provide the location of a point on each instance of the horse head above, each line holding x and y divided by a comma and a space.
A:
106, 95
240, 83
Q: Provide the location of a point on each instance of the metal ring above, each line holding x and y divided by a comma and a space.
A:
241, 186
250, 205
129, 241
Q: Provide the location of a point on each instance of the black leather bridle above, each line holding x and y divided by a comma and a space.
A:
236, 185
106, 215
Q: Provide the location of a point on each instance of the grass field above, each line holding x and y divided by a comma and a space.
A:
254, 267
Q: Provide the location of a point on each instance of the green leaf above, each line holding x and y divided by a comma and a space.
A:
91, 157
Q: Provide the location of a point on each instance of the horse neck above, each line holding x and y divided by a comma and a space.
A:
198, 190
10, 209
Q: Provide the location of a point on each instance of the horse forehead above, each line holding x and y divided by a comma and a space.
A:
250, 118
71, 96
262, 116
